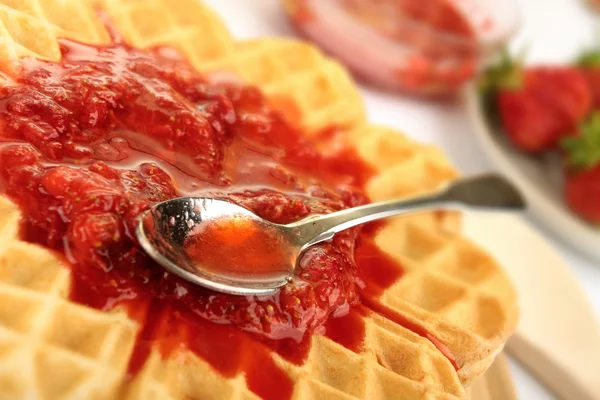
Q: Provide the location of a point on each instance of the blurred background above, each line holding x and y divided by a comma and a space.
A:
428, 75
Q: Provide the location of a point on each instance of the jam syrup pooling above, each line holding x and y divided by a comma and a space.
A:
240, 247
91, 142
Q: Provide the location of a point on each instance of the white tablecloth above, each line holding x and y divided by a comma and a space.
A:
553, 30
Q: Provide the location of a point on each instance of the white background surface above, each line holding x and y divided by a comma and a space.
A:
553, 31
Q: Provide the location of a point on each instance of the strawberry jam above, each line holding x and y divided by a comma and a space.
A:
89, 143
240, 247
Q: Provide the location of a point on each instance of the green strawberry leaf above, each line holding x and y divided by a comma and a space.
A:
505, 74
583, 150
590, 58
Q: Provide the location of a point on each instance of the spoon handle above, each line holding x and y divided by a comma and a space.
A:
488, 191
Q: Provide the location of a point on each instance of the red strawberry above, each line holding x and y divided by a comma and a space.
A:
537, 106
582, 186
582, 193
592, 76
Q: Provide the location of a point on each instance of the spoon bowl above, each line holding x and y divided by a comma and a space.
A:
165, 228
242, 254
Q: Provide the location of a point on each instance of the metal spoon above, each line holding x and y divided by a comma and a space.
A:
163, 229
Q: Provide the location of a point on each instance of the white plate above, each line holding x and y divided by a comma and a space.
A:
538, 178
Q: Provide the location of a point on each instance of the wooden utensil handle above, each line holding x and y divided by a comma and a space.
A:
569, 381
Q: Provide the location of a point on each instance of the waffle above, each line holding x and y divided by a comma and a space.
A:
53, 348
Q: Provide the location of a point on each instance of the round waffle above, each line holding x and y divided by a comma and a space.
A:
53, 348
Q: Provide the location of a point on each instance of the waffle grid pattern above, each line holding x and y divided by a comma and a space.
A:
394, 361
54, 355
377, 372
452, 288
448, 282
30, 29
88, 360
310, 90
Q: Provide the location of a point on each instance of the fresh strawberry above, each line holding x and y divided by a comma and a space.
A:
582, 186
582, 193
539, 105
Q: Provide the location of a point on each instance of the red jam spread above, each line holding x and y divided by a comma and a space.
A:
240, 246
91, 142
